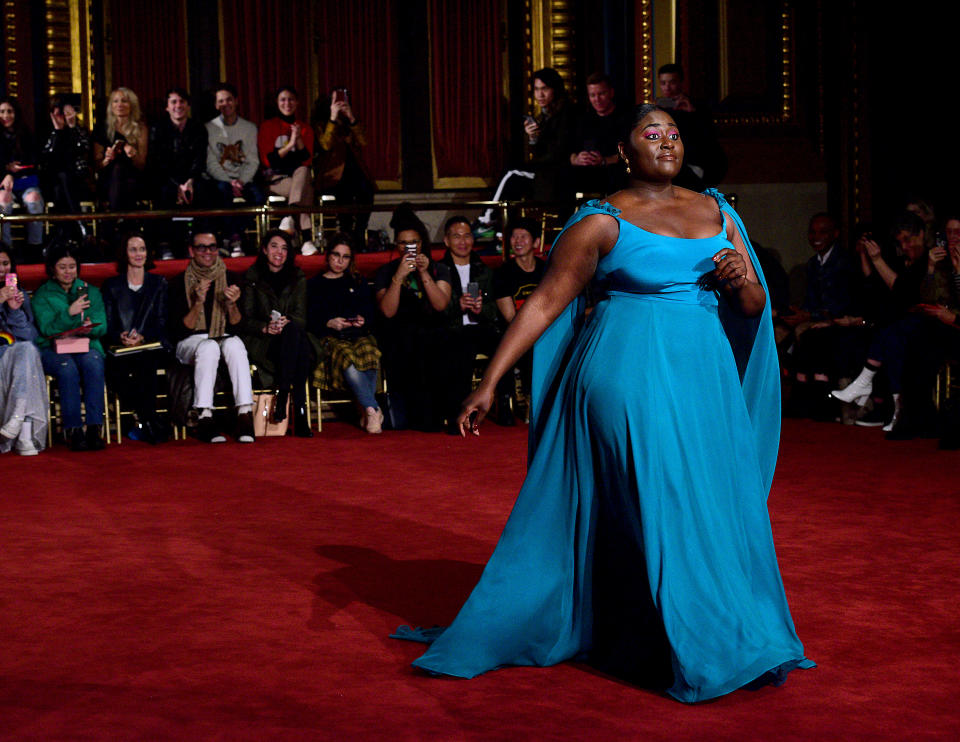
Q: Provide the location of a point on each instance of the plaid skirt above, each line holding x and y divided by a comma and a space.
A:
337, 355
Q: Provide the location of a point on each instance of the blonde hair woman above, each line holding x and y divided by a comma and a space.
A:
120, 150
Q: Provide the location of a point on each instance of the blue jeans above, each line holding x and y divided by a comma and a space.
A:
363, 384
252, 194
79, 376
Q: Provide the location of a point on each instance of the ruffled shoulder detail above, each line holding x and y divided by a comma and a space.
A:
594, 204
721, 200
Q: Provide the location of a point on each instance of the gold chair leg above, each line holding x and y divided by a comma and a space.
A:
319, 412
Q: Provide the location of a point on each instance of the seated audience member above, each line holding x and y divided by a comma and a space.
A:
823, 324
286, 152
472, 323
136, 307
339, 165
178, 159
23, 399
273, 327
937, 340
65, 159
550, 138
515, 280
18, 172
595, 158
203, 310
120, 151
340, 313
178, 152
412, 295
910, 280
66, 302
704, 161
233, 162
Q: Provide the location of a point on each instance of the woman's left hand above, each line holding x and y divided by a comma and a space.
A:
731, 268
941, 313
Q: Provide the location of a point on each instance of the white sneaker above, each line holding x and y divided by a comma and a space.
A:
25, 448
167, 255
373, 420
308, 248
286, 225
236, 249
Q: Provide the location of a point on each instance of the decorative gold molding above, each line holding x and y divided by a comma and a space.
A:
549, 40
646, 70
69, 51
785, 112
10, 45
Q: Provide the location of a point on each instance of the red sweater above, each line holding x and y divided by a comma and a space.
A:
271, 130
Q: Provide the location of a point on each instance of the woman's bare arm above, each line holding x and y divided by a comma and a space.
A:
573, 262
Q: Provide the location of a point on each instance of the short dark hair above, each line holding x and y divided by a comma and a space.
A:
825, 215
910, 223
455, 219
600, 78
202, 228
404, 218
642, 111
671, 69
57, 251
339, 238
551, 78
289, 265
121, 253
523, 222
226, 86
179, 91
4, 247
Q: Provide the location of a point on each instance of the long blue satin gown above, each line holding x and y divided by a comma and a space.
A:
641, 531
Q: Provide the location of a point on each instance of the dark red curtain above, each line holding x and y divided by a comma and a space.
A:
357, 49
149, 50
469, 125
266, 45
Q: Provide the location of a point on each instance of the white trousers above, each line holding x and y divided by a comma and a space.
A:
204, 354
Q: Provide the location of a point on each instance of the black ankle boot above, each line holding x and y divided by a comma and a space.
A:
94, 439
280, 406
300, 427
75, 439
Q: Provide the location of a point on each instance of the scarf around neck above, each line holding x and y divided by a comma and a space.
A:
217, 275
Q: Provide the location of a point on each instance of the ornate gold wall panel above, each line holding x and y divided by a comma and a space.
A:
550, 40
10, 45
69, 50
646, 68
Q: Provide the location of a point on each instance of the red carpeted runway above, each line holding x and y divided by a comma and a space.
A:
191, 592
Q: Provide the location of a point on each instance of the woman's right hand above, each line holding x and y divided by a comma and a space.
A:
338, 324
407, 266
871, 248
936, 254
7, 183
474, 410
81, 304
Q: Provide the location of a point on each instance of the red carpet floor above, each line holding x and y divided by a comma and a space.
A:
191, 592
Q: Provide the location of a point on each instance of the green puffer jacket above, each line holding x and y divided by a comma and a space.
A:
51, 310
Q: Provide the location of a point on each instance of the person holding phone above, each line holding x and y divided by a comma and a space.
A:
413, 294
67, 302
338, 164
23, 399
65, 160
135, 301
471, 322
274, 327
120, 151
340, 315
18, 172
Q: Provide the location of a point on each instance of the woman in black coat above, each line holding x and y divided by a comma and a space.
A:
136, 307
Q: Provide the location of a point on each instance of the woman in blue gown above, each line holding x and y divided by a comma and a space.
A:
640, 541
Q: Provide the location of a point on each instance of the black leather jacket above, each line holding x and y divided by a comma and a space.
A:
149, 316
